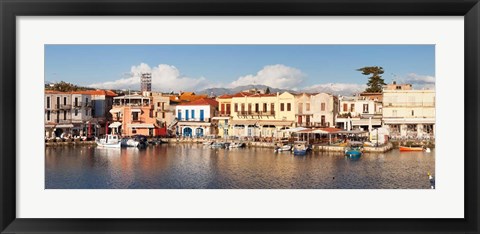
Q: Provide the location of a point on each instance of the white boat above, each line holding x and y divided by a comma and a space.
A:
218, 145
280, 147
236, 145
109, 141
129, 142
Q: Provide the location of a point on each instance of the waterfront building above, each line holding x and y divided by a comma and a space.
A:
395, 86
409, 113
164, 112
102, 102
325, 109
67, 114
194, 118
133, 114
261, 115
304, 109
359, 113
223, 116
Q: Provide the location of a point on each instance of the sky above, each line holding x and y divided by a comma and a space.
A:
196, 67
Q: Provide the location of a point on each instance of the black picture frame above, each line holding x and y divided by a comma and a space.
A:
10, 9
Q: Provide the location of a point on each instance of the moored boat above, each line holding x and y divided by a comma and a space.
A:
406, 148
129, 142
300, 148
218, 145
109, 141
236, 145
354, 149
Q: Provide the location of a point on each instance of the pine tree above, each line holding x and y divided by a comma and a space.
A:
375, 82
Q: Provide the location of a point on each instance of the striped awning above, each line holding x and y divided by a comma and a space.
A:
144, 125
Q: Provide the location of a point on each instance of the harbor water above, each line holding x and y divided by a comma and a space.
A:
195, 166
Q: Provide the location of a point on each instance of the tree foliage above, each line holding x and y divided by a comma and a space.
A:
63, 86
375, 82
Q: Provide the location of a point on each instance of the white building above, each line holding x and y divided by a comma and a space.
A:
359, 113
409, 113
194, 118
324, 107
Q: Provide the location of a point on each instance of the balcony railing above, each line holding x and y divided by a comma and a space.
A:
260, 113
195, 119
223, 114
138, 120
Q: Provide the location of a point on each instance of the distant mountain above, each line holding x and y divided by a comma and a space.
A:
222, 91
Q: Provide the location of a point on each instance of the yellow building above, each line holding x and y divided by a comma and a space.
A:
255, 115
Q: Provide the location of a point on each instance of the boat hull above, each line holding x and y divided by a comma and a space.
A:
405, 149
299, 152
353, 153
103, 145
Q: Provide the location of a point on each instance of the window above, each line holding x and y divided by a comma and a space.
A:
256, 107
186, 114
86, 101
365, 108
150, 114
323, 106
134, 130
322, 120
235, 107
345, 107
243, 107
282, 106
249, 107
352, 108
193, 114
413, 113
58, 102
307, 107
179, 114
135, 116
272, 108
48, 102
76, 112
158, 104
228, 109
76, 101
64, 100
48, 115
289, 106
264, 107
163, 115
222, 109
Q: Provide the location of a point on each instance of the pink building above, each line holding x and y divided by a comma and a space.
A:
133, 114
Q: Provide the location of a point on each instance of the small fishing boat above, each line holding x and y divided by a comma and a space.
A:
300, 148
218, 145
282, 146
354, 149
406, 148
236, 145
207, 143
109, 141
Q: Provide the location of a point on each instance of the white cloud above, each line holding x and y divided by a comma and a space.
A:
164, 78
337, 88
419, 81
276, 76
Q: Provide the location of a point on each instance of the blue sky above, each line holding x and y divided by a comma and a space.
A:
195, 67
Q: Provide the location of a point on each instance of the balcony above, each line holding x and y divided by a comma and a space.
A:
223, 114
257, 113
194, 120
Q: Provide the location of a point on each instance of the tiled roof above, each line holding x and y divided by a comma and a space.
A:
201, 102
108, 93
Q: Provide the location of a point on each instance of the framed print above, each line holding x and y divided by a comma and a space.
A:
254, 116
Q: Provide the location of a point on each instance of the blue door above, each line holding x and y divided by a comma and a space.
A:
187, 132
193, 114
199, 132
179, 116
201, 115
186, 114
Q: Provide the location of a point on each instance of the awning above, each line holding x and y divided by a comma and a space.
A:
64, 126
141, 125
352, 132
221, 117
294, 129
136, 110
115, 125
276, 123
115, 110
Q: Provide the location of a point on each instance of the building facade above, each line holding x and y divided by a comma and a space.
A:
409, 113
132, 115
325, 109
195, 118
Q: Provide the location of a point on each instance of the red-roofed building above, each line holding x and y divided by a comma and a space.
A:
194, 118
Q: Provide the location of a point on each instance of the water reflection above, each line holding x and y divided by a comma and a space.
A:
187, 166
